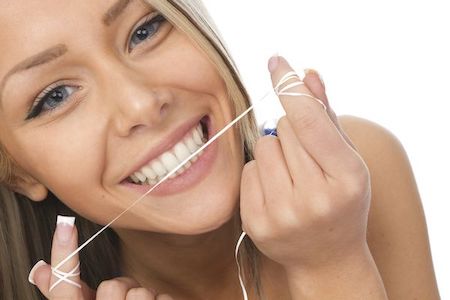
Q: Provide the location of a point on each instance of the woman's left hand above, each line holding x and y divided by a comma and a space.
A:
305, 198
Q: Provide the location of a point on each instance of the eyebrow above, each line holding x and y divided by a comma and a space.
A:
59, 50
115, 11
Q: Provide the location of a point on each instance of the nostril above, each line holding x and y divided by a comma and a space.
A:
163, 110
136, 128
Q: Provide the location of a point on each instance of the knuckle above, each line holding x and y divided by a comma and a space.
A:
264, 144
260, 232
321, 208
140, 294
164, 297
248, 171
357, 183
283, 124
110, 287
249, 167
287, 219
307, 117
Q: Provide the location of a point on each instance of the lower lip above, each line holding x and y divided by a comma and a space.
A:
186, 180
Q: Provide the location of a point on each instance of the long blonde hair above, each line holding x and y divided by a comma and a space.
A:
26, 227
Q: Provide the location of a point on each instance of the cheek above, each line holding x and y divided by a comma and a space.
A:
182, 64
65, 159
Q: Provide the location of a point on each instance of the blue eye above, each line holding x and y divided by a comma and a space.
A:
145, 31
53, 97
50, 99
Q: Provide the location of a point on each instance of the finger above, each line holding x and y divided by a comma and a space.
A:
252, 198
164, 297
312, 125
314, 82
116, 289
302, 167
65, 241
276, 182
140, 294
40, 276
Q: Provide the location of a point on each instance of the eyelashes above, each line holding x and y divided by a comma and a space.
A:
150, 25
56, 95
50, 99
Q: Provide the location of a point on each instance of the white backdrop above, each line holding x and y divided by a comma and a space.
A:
386, 61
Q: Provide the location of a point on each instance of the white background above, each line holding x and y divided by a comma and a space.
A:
386, 61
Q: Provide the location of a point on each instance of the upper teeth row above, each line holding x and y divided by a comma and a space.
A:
156, 169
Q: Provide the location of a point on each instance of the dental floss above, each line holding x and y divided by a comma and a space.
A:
63, 276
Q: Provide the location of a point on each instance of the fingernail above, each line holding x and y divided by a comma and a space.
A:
273, 62
33, 270
64, 228
312, 71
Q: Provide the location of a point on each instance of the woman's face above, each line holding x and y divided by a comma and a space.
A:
118, 97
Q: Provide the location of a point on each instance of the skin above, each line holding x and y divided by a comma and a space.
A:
323, 246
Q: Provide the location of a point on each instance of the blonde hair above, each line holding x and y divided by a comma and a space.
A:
28, 240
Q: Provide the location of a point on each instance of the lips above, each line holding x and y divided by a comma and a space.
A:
187, 139
189, 179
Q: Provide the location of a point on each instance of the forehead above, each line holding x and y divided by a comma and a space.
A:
30, 26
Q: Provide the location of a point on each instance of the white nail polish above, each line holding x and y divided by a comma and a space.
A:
35, 267
65, 220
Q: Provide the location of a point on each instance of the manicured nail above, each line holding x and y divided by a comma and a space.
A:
33, 270
307, 71
64, 228
273, 62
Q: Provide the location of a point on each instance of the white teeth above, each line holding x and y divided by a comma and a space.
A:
141, 177
202, 137
134, 178
158, 167
169, 160
148, 171
200, 130
197, 138
181, 151
192, 146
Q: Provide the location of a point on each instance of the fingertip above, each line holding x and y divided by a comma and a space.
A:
164, 297
273, 63
33, 271
64, 229
40, 276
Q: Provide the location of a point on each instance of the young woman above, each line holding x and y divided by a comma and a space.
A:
100, 99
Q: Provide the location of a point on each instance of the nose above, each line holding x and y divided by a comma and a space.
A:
135, 103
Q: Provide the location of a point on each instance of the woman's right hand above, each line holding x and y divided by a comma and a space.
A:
65, 241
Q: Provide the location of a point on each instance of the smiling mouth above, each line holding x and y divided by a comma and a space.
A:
156, 169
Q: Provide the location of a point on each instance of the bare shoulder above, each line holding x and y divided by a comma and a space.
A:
397, 232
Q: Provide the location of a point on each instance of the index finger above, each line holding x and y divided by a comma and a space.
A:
312, 125
65, 282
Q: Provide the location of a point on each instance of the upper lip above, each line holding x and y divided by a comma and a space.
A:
167, 143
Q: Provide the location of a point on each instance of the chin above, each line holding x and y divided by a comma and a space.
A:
198, 214
206, 219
